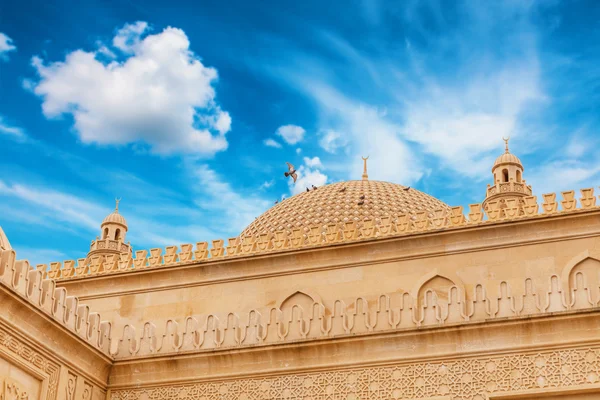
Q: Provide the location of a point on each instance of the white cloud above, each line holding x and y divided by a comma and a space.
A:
267, 184
11, 130
332, 140
6, 45
563, 175
168, 223
232, 210
292, 134
64, 207
272, 143
128, 37
463, 126
314, 162
161, 94
308, 174
373, 134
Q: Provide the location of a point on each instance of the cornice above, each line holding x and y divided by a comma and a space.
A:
426, 345
382, 250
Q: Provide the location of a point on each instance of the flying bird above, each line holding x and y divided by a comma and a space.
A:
291, 172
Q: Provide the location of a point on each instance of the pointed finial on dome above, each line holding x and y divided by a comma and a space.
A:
365, 176
506, 144
117, 204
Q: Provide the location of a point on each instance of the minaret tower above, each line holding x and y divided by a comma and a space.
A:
112, 235
508, 180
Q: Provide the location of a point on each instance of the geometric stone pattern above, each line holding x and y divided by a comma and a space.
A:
341, 202
464, 379
32, 358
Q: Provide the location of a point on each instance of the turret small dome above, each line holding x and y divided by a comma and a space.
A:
115, 217
507, 158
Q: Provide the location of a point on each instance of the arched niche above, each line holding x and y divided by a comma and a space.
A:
304, 299
440, 284
586, 264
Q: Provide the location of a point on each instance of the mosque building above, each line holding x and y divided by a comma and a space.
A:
351, 291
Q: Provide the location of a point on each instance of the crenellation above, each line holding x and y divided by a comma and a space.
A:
217, 249
201, 252
186, 254
141, 259
587, 200
530, 207
322, 235
155, 257
171, 255
29, 284
568, 203
550, 205
475, 213
494, 212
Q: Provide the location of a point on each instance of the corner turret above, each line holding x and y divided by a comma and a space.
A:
112, 236
508, 180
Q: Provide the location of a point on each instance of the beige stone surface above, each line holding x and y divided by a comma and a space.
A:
328, 295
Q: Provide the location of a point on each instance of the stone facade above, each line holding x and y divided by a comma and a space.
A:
406, 298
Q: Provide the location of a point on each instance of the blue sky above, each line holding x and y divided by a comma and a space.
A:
188, 111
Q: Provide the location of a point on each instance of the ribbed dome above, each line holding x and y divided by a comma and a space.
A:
339, 202
114, 218
507, 158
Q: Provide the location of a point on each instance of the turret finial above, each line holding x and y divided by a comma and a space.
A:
117, 204
365, 176
506, 143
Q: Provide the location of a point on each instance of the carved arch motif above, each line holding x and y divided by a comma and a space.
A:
450, 279
589, 267
299, 297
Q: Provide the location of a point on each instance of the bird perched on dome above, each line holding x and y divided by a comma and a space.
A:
291, 172
314, 187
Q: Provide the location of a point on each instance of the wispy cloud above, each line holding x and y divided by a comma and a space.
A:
231, 211
6, 46
15, 132
272, 143
446, 98
309, 174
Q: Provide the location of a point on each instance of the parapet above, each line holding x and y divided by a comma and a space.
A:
324, 235
30, 285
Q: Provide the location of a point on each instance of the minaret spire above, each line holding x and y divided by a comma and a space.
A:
506, 144
117, 204
365, 176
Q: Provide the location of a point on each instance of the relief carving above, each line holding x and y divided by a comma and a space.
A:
464, 379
